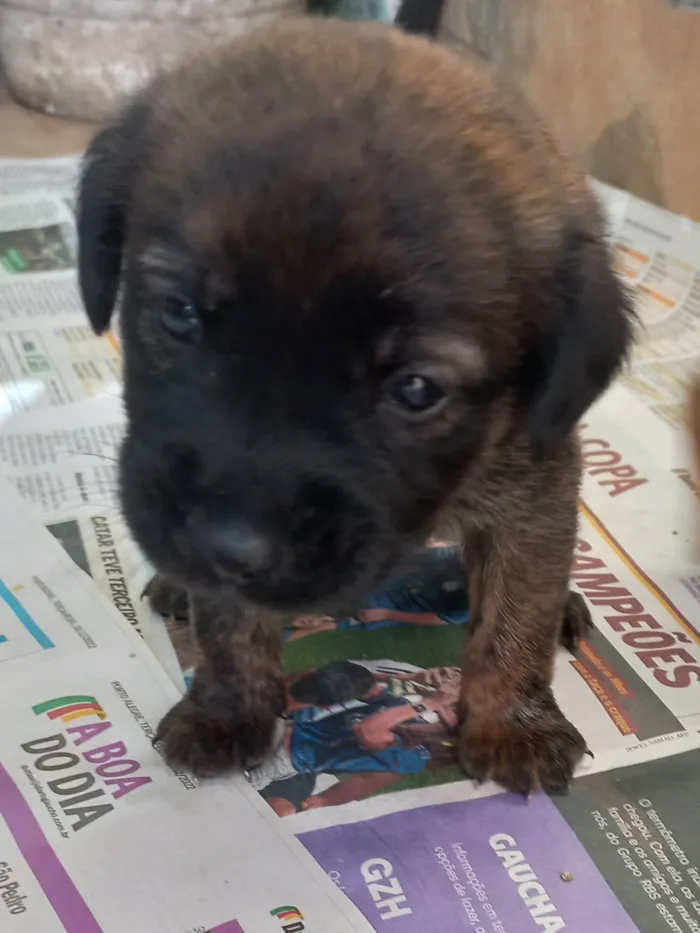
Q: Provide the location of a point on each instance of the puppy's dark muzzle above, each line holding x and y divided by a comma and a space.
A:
234, 549
299, 558
292, 543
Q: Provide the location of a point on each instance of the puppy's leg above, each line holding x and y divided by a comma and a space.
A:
167, 599
227, 718
513, 731
577, 623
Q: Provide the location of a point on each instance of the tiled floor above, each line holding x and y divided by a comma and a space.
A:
26, 133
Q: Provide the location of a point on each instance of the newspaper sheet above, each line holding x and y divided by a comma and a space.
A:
88, 807
58, 176
397, 826
48, 354
64, 463
657, 254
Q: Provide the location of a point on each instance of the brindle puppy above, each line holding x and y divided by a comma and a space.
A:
364, 300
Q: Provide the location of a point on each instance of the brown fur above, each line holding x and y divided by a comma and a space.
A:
505, 258
236, 693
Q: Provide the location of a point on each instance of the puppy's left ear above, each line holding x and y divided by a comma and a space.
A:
103, 202
582, 353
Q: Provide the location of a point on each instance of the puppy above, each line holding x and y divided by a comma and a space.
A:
363, 301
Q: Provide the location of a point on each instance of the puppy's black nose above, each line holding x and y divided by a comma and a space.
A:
236, 548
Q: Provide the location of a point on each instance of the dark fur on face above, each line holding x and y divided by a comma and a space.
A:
363, 298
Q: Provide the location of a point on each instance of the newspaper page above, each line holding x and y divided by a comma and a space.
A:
60, 456
64, 464
657, 254
58, 175
48, 353
620, 853
97, 833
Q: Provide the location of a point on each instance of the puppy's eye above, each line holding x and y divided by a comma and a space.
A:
416, 394
180, 319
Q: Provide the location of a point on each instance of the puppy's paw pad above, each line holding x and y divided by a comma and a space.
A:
205, 745
536, 748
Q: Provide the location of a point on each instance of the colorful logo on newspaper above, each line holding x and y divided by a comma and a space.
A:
68, 709
291, 918
85, 769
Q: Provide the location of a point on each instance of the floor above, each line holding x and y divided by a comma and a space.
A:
26, 133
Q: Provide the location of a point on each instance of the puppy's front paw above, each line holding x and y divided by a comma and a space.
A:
577, 623
535, 747
167, 599
205, 742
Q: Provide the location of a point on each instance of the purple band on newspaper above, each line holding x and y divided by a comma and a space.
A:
60, 891
232, 927
496, 865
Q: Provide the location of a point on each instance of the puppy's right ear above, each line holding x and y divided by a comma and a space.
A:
103, 201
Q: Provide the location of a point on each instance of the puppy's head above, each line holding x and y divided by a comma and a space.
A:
350, 270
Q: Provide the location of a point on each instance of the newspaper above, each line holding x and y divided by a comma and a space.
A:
87, 805
48, 354
58, 176
657, 254
64, 463
61, 456
399, 829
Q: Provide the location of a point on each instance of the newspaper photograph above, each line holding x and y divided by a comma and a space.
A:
372, 701
37, 234
363, 769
